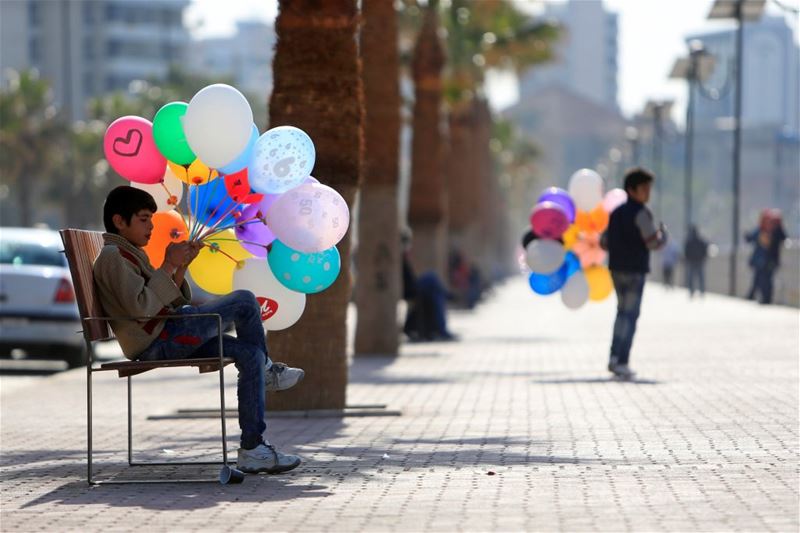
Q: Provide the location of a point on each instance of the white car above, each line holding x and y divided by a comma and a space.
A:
38, 312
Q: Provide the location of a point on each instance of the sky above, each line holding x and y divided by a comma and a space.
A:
651, 38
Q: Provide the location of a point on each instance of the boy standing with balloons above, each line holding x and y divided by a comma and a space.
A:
128, 285
630, 236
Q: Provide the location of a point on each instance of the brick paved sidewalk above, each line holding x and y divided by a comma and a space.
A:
516, 427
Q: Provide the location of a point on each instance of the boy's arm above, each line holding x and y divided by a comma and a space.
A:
654, 238
124, 289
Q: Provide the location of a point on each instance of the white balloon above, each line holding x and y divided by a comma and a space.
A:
575, 291
544, 256
282, 159
586, 189
162, 193
218, 124
280, 307
309, 218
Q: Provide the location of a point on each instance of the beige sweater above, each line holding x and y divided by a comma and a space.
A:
128, 285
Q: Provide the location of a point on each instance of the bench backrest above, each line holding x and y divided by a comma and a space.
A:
82, 248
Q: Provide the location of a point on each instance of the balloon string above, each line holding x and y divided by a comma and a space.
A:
253, 243
219, 250
177, 206
196, 210
214, 231
206, 199
218, 222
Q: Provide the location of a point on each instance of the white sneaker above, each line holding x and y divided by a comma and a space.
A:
265, 458
623, 372
281, 377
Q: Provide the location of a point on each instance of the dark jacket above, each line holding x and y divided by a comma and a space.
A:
627, 248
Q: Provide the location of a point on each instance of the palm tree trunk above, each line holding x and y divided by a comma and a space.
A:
378, 261
427, 213
463, 181
317, 87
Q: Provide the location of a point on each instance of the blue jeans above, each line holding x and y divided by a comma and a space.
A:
197, 337
629, 287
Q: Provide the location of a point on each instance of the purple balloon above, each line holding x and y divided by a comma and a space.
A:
561, 197
256, 235
549, 220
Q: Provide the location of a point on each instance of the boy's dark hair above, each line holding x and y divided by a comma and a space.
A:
637, 176
125, 201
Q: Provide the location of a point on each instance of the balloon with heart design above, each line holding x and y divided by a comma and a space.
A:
280, 307
131, 150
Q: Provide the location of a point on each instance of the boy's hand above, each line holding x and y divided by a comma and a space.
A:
177, 254
192, 252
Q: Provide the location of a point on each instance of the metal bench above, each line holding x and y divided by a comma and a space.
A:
82, 248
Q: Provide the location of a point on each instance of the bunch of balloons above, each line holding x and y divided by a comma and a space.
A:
564, 253
265, 223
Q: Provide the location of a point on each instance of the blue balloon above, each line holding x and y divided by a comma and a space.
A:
210, 203
244, 158
545, 284
307, 273
572, 263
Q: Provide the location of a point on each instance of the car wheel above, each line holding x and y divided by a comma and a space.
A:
75, 357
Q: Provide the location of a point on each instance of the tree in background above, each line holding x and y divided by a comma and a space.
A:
31, 128
427, 211
318, 88
491, 34
378, 260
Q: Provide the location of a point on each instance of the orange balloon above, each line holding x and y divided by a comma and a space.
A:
570, 236
599, 217
588, 250
583, 221
195, 174
168, 226
594, 221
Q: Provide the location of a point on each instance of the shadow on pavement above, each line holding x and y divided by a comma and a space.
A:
563, 381
372, 370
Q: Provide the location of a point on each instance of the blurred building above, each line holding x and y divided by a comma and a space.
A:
89, 47
770, 174
586, 56
569, 106
245, 58
771, 93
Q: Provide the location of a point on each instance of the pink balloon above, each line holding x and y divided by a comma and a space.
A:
549, 220
131, 150
256, 235
309, 218
613, 199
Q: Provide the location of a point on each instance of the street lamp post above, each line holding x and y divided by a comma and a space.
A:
740, 10
694, 69
658, 110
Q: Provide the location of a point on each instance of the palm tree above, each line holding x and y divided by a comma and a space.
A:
30, 128
378, 260
427, 212
317, 87
482, 35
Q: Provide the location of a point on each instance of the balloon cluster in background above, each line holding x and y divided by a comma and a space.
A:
565, 254
265, 223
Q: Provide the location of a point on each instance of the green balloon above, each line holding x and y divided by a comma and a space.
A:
169, 136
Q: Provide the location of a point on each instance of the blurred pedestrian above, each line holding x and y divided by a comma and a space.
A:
630, 236
426, 297
695, 253
669, 258
767, 241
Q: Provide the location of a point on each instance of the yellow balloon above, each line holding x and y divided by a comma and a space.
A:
212, 269
570, 236
195, 174
600, 283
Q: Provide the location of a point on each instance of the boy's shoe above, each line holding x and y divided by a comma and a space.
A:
281, 377
265, 458
623, 372
612, 364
